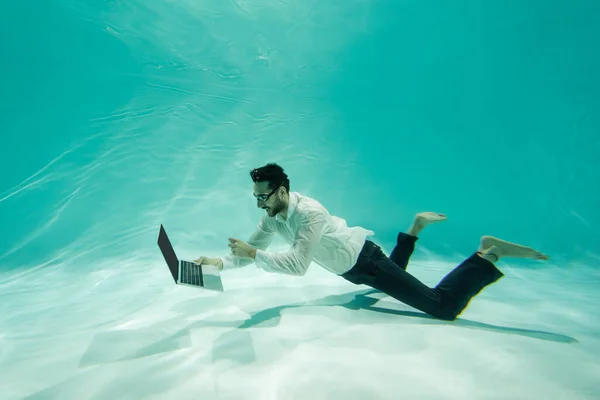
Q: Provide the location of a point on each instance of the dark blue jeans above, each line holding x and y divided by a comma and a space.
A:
445, 301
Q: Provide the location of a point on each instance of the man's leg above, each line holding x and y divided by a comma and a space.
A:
454, 292
405, 243
478, 271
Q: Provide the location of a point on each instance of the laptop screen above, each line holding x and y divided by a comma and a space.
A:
168, 253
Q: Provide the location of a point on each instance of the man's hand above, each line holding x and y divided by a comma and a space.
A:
209, 261
241, 249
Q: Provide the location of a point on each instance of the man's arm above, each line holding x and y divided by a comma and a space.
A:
298, 258
261, 238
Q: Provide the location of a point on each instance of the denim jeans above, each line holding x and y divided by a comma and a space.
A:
444, 301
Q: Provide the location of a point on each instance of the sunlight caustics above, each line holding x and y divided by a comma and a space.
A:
123, 116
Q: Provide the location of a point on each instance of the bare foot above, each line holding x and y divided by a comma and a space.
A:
423, 219
426, 218
490, 245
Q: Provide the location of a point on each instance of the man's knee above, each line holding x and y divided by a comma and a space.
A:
446, 314
448, 317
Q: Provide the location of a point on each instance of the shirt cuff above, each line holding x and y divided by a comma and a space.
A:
227, 262
261, 259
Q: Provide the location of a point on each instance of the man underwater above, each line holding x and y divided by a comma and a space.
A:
316, 236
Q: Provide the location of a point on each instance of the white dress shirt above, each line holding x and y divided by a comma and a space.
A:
314, 236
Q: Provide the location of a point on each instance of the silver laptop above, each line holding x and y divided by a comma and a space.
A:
188, 272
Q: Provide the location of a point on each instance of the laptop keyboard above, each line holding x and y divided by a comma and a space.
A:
190, 273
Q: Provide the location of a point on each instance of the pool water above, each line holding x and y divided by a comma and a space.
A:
118, 117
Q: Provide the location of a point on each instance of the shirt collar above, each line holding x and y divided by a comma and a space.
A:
293, 203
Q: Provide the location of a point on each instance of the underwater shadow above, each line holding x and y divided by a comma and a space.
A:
466, 323
237, 345
361, 301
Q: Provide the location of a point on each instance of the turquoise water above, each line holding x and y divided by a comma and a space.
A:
119, 116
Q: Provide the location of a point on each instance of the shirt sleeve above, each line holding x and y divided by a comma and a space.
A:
261, 238
298, 258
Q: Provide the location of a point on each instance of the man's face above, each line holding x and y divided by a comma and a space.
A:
274, 204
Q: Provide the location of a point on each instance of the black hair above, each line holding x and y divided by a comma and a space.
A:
273, 174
